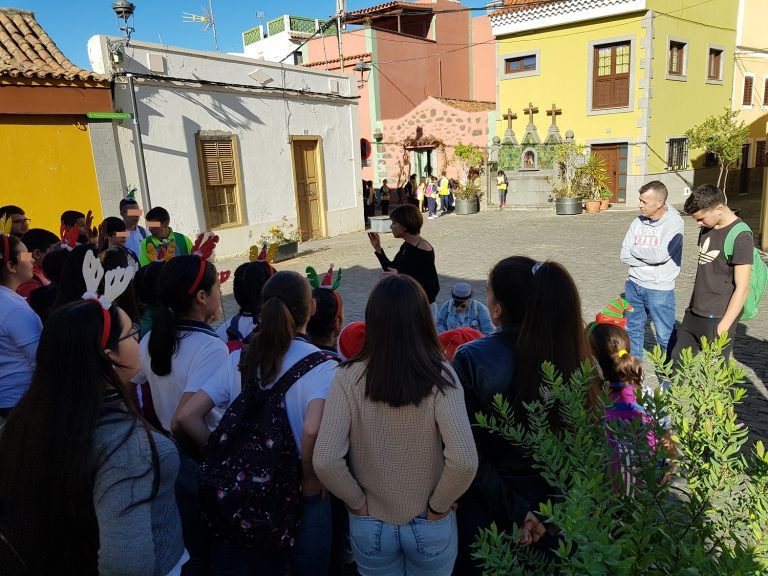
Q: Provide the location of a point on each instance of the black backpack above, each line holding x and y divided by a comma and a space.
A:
250, 479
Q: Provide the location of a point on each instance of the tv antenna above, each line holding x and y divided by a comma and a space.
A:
206, 19
261, 16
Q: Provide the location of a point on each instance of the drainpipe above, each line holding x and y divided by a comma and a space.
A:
137, 143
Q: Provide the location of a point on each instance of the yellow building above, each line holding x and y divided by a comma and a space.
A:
46, 153
627, 77
750, 92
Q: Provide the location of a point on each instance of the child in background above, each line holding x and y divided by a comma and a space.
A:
74, 219
38, 242
115, 237
623, 374
431, 194
164, 243
248, 284
420, 194
501, 185
18, 218
42, 299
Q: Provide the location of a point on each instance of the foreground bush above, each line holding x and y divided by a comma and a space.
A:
709, 516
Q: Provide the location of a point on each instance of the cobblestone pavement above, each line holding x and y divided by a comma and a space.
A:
467, 247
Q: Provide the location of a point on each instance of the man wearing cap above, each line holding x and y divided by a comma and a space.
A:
461, 311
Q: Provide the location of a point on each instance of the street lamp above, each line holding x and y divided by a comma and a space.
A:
124, 10
363, 69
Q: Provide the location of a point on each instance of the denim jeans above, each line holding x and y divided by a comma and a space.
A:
659, 305
432, 203
309, 556
419, 548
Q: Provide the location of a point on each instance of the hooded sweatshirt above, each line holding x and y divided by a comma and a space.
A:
653, 249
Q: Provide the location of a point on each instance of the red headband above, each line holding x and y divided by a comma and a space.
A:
198, 278
107, 324
338, 304
6, 249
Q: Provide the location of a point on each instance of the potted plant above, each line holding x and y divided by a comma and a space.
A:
467, 197
566, 185
594, 180
286, 236
605, 199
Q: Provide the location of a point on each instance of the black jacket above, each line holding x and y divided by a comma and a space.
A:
506, 484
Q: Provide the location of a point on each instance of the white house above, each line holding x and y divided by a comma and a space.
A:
232, 144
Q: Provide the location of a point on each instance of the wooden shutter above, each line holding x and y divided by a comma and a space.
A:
611, 75
749, 84
219, 162
715, 57
765, 93
676, 53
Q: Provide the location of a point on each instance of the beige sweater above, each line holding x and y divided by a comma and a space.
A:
402, 459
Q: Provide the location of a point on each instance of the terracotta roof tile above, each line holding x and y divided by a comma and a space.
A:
514, 5
389, 7
27, 51
468, 105
365, 56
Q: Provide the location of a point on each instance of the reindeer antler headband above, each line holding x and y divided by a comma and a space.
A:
327, 283
115, 283
204, 246
266, 255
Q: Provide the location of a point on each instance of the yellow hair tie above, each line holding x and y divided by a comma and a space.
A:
622, 352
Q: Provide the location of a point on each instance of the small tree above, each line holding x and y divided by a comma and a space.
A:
722, 136
710, 518
568, 158
471, 159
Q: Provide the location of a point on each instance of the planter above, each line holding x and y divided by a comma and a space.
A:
568, 206
468, 206
593, 206
287, 251
604, 205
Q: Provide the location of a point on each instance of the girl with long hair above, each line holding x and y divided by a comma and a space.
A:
178, 356
537, 310
326, 323
71, 285
19, 325
127, 300
278, 345
86, 486
396, 411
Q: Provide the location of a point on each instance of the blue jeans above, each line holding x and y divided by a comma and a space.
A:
659, 305
309, 556
432, 203
419, 548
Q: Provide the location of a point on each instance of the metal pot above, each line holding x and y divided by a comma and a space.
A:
568, 206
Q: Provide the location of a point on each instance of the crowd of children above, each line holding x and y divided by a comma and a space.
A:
137, 439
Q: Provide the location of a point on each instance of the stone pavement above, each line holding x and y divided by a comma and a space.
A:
588, 246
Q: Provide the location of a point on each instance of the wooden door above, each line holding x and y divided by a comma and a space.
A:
308, 191
609, 153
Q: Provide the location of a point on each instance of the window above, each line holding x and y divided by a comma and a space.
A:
676, 59
710, 160
749, 84
677, 154
715, 64
765, 93
520, 64
760, 159
611, 75
219, 178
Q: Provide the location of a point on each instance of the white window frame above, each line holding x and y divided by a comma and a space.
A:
752, 95
503, 65
719, 81
684, 76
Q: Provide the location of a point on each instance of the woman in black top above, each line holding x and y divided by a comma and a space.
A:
416, 257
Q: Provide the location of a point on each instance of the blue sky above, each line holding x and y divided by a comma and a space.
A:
85, 18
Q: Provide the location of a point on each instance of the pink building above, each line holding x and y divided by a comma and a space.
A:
431, 83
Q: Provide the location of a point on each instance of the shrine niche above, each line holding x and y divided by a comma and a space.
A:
531, 154
530, 160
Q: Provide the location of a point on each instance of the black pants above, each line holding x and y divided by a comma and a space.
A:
693, 329
385, 207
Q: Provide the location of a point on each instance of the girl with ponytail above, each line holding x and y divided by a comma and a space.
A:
278, 345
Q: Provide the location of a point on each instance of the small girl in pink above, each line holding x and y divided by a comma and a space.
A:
623, 374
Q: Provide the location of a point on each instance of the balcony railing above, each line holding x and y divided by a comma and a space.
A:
288, 23
252, 36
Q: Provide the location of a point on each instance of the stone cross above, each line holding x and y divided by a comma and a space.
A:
554, 112
509, 116
531, 110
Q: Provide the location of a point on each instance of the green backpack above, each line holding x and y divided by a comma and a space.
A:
759, 276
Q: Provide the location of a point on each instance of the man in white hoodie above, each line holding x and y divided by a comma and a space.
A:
653, 249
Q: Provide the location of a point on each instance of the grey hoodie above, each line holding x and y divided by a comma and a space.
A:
653, 249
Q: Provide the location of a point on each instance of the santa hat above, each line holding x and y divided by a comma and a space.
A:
614, 313
351, 340
452, 339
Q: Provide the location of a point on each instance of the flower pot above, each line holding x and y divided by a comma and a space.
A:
467, 206
605, 204
568, 206
593, 206
287, 251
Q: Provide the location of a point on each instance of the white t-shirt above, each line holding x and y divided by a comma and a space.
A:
19, 334
225, 386
244, 325
198, 357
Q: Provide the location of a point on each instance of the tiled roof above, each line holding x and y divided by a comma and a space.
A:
27, 51
512, 5
468, 105
366, 57
388, 7
520, 15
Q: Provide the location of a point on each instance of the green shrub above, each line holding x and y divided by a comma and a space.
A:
710, 517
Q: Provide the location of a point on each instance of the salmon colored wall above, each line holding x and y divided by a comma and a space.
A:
47, 167
410, 70
483, 60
